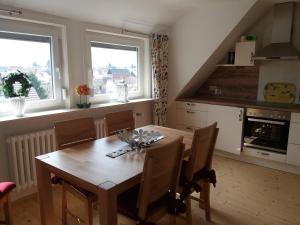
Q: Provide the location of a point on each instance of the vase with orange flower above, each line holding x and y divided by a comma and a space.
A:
83, 91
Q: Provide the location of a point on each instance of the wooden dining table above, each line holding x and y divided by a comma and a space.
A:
87, 166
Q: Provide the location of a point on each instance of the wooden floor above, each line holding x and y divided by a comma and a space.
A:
245, 195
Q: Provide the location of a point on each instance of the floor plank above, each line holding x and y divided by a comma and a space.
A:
246, 194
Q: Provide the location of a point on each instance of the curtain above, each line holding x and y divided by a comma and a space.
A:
159, 54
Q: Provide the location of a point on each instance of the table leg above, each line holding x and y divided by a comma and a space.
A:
45, 194
108, 204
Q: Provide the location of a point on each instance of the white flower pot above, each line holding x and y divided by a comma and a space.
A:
18, 106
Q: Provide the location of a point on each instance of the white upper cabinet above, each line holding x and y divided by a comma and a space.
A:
230, 124
244, 52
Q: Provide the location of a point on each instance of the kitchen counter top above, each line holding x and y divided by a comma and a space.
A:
244, 103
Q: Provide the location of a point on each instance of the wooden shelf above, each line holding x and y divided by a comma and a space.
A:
227, 65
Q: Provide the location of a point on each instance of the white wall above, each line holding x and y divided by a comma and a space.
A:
197, 35
278, 70
75, 72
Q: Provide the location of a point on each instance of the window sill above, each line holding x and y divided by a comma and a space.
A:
5, 119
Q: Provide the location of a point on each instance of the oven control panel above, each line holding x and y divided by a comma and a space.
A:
268, 114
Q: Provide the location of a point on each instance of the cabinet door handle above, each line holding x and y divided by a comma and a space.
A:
190, 104
241, 115
251, 57
190, 112
189, 128
265, 154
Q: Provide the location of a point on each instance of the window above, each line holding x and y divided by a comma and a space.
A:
113, 59
31, 55
32, 49
112, 64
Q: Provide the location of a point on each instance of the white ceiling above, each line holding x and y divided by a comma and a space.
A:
138, 15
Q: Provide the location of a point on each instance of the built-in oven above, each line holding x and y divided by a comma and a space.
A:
267, 130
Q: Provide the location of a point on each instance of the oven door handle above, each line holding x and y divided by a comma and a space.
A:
267, 121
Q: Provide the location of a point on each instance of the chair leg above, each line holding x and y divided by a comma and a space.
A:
205, 197
64, 206
8, 211
189, 220
89, 208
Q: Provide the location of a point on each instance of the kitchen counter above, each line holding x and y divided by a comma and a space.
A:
244, 103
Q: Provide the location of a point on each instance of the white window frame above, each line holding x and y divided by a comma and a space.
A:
54, 34
122, 41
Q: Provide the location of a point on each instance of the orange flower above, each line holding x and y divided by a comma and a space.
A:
82, 90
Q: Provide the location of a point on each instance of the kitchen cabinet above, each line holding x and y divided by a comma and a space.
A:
191, 116
293, 154
230, 124
186, 128
193, 106
244, 52
293, 151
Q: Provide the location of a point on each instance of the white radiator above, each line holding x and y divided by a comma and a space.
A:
24, 148
100, 128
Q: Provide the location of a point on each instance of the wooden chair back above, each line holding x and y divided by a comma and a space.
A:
160, 174
202, 149
72, 132
118, 121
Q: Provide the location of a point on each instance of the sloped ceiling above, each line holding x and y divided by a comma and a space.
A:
193, 61
139, 15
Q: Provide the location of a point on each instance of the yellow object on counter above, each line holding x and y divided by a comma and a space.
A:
280, 92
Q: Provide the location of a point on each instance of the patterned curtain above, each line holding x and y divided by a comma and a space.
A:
159, 53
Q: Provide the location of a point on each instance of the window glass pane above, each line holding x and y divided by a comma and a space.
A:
31, 55
113, 64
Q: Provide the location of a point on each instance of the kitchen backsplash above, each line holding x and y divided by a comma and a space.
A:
232, 82
279, 71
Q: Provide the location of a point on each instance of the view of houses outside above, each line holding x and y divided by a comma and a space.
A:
113, 66
32, 58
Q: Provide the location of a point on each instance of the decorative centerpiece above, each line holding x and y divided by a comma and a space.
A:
16, 87
83, 91
139, 139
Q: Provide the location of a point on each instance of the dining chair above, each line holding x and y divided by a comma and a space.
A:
5, 189
150, 200
69, 133
196, 173
118, 121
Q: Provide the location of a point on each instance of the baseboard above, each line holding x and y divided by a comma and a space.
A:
261, 162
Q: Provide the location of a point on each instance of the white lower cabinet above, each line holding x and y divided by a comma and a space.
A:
293, 151
293, 154
191, 116
230, 124
186, 128
264, 154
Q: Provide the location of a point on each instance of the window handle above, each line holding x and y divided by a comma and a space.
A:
57, 70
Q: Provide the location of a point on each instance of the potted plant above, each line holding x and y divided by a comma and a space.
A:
83, 91
16, 87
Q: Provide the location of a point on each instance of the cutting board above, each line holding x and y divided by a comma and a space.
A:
280, 92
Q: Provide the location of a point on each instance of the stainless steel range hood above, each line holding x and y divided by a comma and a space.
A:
281, 46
